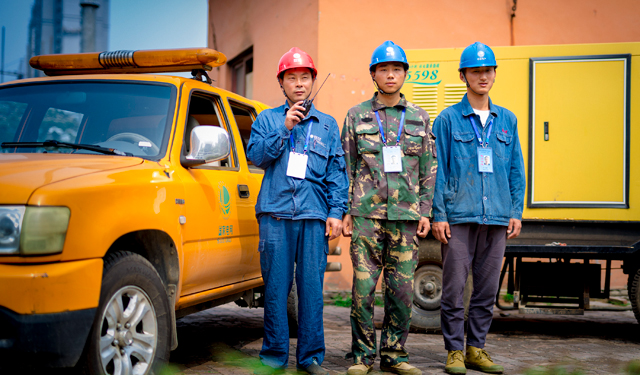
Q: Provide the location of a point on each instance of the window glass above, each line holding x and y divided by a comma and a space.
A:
129, 117
244, 116
205, 111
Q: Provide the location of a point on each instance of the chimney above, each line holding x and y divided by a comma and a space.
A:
88, 34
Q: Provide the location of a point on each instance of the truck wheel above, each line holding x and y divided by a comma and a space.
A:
131, 331
292, 310
633, 288
427, 290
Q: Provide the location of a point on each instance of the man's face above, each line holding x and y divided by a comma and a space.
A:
297, 83
389, 76
480, 79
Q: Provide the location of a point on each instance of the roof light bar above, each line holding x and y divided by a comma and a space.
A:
147, 61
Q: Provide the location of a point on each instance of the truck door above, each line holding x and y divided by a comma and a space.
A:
213, 235
579, 131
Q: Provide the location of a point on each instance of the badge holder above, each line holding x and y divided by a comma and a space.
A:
485, 160
297, 166
392, 158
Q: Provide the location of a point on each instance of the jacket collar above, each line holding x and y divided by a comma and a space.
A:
467, 110
377, 104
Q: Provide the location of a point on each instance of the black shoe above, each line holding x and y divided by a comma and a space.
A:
268, 370
314, 369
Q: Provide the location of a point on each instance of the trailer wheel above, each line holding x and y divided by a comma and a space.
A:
427, 290
633, 288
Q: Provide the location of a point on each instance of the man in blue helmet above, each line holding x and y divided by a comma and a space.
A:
477, 206
390, 158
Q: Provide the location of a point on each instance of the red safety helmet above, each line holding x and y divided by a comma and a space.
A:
296, 58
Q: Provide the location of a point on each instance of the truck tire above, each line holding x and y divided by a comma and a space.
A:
131, 330
292, 310
427, 290
633, 287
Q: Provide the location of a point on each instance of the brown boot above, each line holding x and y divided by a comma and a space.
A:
479, 359
455, 363
401, 368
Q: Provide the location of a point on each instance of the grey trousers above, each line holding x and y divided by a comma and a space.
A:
481, 248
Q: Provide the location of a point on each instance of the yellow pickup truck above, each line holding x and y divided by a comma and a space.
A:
126, 201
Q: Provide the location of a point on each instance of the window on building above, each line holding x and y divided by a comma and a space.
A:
242, 74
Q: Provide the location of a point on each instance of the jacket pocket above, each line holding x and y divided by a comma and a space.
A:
368, 138
318, 158
413, 136
503, 149
463, 146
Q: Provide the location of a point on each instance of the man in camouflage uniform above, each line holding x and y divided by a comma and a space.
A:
389, 203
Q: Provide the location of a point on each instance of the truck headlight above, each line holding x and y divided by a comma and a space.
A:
10, 225
44, 230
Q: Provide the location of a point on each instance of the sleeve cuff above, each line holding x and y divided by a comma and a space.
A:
335, 213
283, 131
516, 215
440, 217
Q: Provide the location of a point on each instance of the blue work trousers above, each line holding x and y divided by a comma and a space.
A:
481, 249
283, 243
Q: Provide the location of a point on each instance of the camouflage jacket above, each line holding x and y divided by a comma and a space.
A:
392, 196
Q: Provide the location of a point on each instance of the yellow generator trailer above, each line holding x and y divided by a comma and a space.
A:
578, 126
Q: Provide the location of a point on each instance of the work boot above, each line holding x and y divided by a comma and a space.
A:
314, 369
401, 368
359, 369
479, 359
455, 363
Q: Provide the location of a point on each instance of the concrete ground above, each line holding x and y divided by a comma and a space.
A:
227, 339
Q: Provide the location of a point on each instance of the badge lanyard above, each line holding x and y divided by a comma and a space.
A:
297, 166
391, 155
485, 154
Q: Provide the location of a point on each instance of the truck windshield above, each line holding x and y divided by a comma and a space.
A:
132, 118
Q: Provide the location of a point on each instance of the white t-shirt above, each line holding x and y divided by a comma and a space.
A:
484, 115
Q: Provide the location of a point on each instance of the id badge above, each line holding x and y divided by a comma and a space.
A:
392, 158
297, 166
485, 160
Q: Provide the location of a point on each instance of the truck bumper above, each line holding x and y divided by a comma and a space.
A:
51, 340
46, 311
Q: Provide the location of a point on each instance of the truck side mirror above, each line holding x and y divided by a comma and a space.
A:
207, 144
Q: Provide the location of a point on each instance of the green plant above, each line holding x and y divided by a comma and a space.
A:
554, 370
508, 297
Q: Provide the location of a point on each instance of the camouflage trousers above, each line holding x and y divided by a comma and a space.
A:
378, 245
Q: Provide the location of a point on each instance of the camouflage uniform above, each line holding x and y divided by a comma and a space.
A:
386, 208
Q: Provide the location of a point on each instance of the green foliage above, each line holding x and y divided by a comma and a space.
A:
554, 370
508, 298
339, 300
633, 368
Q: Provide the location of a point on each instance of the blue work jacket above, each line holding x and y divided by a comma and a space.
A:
323, 192
462, 193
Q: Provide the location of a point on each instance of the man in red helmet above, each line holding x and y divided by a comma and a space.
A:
300, 207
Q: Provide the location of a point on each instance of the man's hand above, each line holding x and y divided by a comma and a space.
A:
333, 226
294, 115
441, 231
514, 228
423, 226
347, 225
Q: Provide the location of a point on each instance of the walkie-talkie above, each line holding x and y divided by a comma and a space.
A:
307, 103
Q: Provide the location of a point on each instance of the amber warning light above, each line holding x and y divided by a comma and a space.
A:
149, 61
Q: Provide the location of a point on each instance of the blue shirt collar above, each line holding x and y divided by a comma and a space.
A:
467, 110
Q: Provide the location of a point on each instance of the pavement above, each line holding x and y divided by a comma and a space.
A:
227, 339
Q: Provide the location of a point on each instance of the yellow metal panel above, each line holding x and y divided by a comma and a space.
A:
51, 288
583, 160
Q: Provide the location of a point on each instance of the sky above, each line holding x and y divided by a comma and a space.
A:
134, 24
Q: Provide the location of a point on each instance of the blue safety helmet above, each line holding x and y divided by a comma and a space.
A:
388, 52
476, 55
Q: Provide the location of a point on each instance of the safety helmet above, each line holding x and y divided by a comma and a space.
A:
476, 55
388, 52
296, 58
